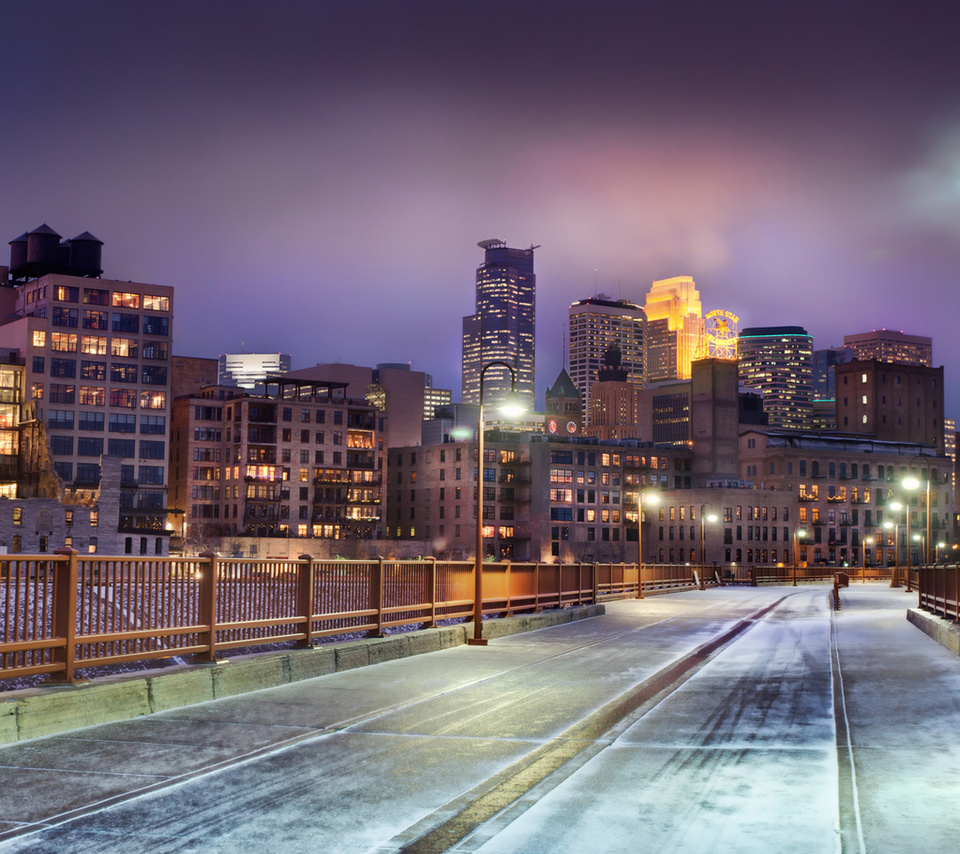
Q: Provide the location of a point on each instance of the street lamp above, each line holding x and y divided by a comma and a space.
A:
896, 507
940, 545
642, 498
797, 534
867, 541
703, 522
910, 484
510, 408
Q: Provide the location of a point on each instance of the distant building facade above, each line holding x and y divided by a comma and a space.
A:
777, 363
888, 345
597, 324
503, 327
250, 370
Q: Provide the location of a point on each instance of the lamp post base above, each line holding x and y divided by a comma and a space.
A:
477, 641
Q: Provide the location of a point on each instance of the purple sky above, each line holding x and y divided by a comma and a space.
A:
313, 177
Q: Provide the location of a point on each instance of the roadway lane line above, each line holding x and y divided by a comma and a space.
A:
851, 826
463, 816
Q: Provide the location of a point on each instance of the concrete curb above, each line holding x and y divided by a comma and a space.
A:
51, 709
944, 632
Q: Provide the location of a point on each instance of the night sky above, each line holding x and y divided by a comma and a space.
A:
313, 177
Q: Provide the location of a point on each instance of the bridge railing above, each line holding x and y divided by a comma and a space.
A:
65, 612
939, 590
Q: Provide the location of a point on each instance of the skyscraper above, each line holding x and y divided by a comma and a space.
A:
675, 328
595, 326
502, 328
777, 362
888, 345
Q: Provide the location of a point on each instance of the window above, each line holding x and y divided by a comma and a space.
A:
126, 322
93, 370
157, 350
89, 446
153, 325
125, 348
66, 294
60, 419
93, 319
155, 424
123, 397
153, 400
92, 395
63, 367
63, 342
90, 421
96, 296
152, 302
152, 475
39, 365
122, 447
93, 345
88, 473
125, 300
61, 446
64, 317
123, 373
152, 450
61, 393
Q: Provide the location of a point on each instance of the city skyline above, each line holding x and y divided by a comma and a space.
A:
284, 167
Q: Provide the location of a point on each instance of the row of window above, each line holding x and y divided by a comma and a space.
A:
119, 322
97, 396
120, 372
118, 299
100, 345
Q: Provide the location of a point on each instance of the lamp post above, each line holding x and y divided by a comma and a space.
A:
642, 498
910, 484
703, 523
896, 506
940, 545
867, 541
509, 409
797, 534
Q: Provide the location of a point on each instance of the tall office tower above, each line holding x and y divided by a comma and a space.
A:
249, 370
675, 328
96, 373
502, 328
777, 362
596, 325
888, 345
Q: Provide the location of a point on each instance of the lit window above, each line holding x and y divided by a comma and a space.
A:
39, 338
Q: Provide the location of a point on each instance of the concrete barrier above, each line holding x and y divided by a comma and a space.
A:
50, 709
944, 632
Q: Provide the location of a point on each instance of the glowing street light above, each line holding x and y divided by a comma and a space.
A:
798, 534
510, 408
711, 518
642, 498
896, 506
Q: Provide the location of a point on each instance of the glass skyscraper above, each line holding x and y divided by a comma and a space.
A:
502, 328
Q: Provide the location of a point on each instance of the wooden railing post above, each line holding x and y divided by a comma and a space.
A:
376, 597
536, 589
595, 583
432, 622
305, 599
65, 612
639, 580
208, 604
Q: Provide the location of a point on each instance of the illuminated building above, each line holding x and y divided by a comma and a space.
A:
597, 324
888, 345
777, 363
96, 356
302, 460
502, 327
249, 370
891, 402
675, 328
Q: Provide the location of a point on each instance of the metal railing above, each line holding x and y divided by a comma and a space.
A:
66, 612
939, 589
